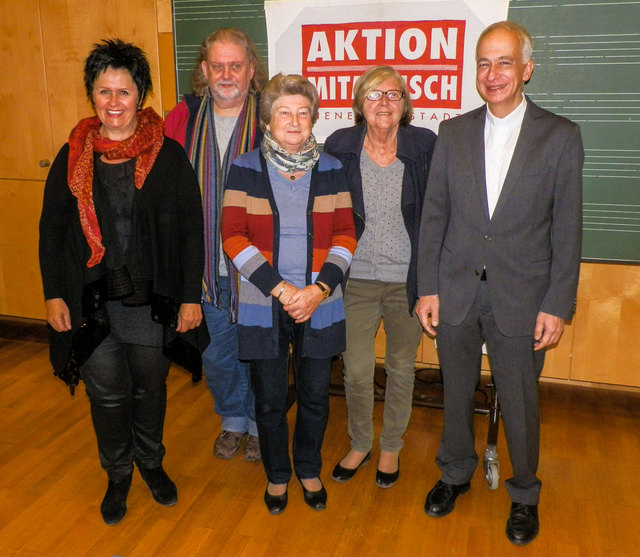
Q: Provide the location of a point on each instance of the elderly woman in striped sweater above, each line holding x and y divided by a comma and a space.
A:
287, 225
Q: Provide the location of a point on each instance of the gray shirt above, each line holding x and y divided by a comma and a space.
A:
384, 250
292, 199
224, 130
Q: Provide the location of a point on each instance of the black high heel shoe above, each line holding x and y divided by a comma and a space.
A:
342, 474
317, 500
387, 479
276, 504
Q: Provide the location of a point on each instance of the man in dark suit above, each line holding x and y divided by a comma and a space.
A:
499, 258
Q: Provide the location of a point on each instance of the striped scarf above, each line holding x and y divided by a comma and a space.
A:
287, 162
212, 173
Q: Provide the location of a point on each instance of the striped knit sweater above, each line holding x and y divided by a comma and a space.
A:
250, 228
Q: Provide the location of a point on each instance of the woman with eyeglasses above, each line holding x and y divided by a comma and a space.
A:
387, 162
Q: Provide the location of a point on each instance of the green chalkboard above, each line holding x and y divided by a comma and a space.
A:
194, 20
587, 57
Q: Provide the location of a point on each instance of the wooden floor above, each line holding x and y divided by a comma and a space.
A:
51, 483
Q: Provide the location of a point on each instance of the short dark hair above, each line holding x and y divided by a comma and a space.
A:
118, 54
199, 82
280, 85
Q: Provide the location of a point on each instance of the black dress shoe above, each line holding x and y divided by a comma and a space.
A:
276, 504
342, 474
523, 524
386, 479
317, 500
114, 504
164, 491
442, 498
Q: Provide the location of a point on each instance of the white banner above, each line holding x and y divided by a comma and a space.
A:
430, 42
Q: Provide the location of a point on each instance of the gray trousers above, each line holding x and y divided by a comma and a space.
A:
366, 303
515, 368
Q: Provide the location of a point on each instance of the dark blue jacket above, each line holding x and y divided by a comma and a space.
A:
415, 147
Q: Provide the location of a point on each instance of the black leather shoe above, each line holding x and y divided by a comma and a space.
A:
276, 504
317, 500
342, 474
164, 491
114, 504
386, 479
523, 524
442, 498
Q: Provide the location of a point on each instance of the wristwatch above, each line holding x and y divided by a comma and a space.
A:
323, 289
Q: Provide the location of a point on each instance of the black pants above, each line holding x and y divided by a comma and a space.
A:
126, 385
269, 379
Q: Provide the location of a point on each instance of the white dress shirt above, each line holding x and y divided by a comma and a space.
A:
500, 138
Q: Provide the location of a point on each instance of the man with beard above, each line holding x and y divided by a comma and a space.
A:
216, 124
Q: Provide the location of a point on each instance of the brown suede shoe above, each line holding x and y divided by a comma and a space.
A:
252, 449
227, 444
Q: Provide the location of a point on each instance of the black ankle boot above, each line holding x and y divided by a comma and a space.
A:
164, 491
114, 504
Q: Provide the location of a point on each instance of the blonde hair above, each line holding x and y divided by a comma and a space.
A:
368, 81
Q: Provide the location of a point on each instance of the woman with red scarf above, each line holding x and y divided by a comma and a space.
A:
121, 256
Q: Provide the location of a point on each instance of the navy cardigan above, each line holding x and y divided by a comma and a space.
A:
415, 148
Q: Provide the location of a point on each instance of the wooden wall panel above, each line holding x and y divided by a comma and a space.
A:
606, 347
69, 29
24, 113
20, 283
165, 16
167, 72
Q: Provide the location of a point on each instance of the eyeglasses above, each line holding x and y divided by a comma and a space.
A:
286, 114
391, 94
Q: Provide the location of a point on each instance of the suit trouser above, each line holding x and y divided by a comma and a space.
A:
366, 303
515, 367
126, 385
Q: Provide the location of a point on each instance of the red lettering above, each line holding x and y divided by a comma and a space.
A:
428, 54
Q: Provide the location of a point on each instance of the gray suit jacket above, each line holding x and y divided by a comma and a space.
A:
530, 247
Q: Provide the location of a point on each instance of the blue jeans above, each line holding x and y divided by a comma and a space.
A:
270, 379
227, 376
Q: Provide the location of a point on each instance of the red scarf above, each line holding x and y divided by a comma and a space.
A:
84, 140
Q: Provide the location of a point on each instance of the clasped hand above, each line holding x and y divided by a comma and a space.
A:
300, 303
